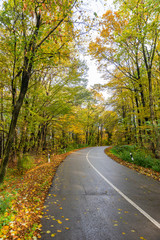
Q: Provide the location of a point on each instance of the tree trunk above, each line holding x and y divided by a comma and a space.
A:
44, 135
152, 114
1, 144
151, 105
53, 139
15, 114
87, 136
101, 133
138, 118
2, 124
98, 136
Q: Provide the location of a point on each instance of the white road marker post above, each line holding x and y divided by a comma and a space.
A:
131, 156
49, 159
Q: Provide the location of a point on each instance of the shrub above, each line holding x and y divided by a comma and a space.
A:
121, 149
140, 157
149, 161
125, 155
25, 162
156, 166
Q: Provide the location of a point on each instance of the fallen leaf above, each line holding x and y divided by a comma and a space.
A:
59, 221
53, 234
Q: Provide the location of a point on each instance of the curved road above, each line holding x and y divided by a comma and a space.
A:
94, 198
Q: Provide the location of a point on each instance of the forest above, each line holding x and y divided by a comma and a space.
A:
44, 102
47, 110
127, 52
45, 105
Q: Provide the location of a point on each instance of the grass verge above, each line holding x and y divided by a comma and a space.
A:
142, 162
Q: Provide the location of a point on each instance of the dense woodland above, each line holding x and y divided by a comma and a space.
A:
44, 102
128, 54
43, 97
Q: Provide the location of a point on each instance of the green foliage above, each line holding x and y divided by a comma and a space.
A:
5, 207
72, 147
25, 162
141, 158
156, 167
120, 149
4, 204
125, 155
30, 234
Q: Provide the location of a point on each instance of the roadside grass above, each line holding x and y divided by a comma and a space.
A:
22, 197
141, 162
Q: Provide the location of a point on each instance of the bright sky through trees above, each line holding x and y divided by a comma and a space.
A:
94, 77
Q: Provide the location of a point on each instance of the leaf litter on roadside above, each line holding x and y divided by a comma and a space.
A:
26, 207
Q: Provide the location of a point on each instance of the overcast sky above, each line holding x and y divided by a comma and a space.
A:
94, 77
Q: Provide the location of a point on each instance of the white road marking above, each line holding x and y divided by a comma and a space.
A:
157, 224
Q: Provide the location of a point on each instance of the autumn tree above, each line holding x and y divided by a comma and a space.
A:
33, 34
126, 51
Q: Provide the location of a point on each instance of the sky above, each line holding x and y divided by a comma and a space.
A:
94, 77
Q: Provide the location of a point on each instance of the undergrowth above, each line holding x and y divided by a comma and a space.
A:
140, 157
72, 147
6, 211
25, 162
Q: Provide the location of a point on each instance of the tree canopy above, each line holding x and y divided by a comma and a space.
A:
127, 52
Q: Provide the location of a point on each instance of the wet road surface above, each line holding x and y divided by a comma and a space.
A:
95, 198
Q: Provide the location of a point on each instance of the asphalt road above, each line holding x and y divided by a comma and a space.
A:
94, 198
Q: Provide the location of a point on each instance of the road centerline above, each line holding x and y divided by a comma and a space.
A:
157, 224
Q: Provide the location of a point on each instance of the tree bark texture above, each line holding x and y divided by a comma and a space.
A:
15, 114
